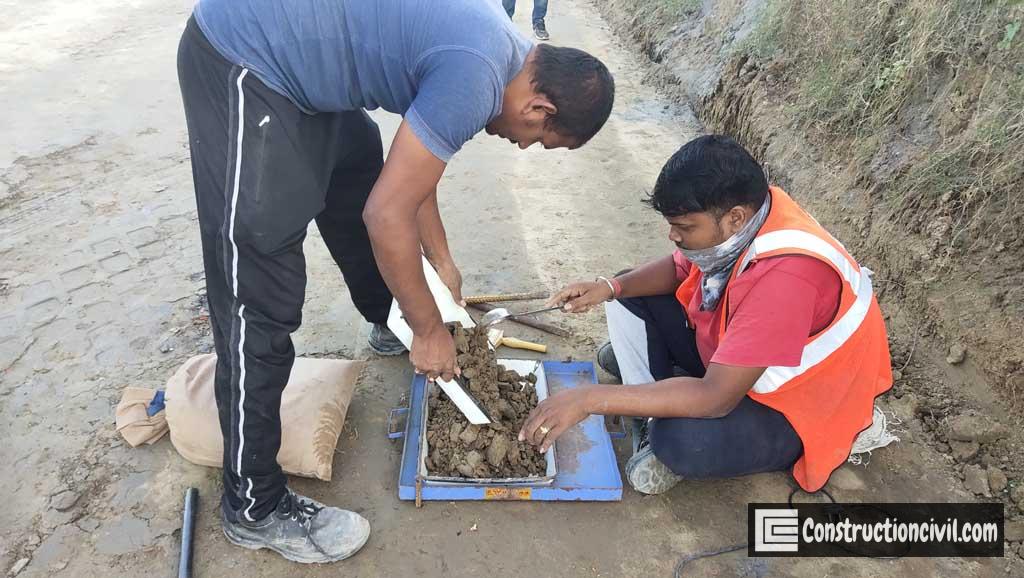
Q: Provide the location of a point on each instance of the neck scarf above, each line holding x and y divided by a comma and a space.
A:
717, 262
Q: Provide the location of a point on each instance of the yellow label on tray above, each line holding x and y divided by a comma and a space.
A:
508, 493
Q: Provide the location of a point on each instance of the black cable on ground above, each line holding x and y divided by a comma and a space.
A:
789, 500
711, 553
834, 512
705, 554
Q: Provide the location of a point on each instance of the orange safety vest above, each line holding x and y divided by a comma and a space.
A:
828, 398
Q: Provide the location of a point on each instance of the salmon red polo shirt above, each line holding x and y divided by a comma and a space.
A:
774, 306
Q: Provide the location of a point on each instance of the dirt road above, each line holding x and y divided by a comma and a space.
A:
101, 284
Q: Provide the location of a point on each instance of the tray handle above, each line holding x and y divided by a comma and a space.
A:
392, 415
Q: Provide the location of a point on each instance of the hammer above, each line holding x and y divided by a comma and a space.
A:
497, 339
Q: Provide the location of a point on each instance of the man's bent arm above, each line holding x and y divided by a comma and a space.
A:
431, 230
408, 179
655, 278
714, 395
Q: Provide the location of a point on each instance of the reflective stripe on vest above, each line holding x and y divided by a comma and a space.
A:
829, 341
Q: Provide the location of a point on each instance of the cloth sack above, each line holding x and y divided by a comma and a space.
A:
132, 420
313, 409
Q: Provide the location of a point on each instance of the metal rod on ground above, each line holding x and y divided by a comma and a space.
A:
188, 527
545, 327
503, 297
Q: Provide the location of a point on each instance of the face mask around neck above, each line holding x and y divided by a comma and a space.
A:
717, 262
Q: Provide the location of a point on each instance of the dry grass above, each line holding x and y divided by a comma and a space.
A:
946, 74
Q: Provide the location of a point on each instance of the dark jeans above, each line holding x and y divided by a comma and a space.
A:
752, 438
262, 170
540, 8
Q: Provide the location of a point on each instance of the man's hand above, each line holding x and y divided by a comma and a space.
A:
434, 354
451, 277
553, 416
581, 297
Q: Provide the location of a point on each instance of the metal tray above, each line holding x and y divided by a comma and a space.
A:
523, 366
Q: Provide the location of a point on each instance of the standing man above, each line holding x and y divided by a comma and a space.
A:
540, 11
275, 94
757, 346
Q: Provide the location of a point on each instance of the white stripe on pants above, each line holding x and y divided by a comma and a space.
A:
234, 286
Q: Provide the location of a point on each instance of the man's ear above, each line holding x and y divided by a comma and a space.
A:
738, 216
539, 104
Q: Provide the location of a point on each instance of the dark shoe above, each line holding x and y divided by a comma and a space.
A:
302, 530
384, 342
606, 359
540, 31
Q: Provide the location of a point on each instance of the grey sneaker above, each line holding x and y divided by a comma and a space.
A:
648, 475
302, 530
384, 342
606, 359
540, 31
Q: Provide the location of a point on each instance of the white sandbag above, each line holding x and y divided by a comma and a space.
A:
313, 409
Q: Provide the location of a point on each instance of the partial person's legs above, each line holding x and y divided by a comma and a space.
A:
207, 117
650, 338
253, 222
649, 335
751, 439
540, 10
341, 222
252, 366
359, 162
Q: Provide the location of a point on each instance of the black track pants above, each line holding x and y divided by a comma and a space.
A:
262, 170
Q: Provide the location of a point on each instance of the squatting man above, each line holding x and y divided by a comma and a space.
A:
756, 346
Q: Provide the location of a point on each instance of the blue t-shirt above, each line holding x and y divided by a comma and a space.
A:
443, 64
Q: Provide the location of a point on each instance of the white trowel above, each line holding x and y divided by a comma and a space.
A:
458, 392
450, 312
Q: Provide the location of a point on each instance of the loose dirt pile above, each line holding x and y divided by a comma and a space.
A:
457, 448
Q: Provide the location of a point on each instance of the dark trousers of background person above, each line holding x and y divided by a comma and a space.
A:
752, 438
262, 170
540, 8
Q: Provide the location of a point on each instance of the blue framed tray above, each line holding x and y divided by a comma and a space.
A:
587, 468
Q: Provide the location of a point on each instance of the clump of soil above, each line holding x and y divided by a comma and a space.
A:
459, 449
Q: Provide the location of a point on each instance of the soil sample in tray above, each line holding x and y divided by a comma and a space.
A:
456, 448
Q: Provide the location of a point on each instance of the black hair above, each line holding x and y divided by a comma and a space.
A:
711, 173
579, 85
